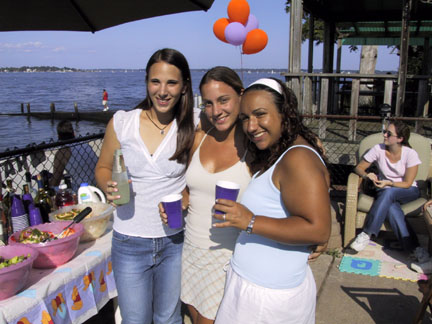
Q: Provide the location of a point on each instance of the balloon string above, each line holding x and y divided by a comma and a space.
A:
241, 65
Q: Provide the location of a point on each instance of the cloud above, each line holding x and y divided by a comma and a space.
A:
59, 49
24, 47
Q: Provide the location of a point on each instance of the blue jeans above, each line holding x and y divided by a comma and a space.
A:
147, 272
387, 206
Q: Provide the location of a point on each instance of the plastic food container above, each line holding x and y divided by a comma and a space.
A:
56, 252
15, 277
95, 224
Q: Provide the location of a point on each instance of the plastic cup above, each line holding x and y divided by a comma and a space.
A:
35, 217
226, 190
173, 209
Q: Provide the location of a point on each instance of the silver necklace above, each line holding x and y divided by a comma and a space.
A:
162, 130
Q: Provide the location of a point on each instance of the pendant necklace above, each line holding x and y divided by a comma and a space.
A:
162, 130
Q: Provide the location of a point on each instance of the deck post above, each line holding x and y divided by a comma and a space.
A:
307, 99
323, 108
76, 111
355, 92
388, 90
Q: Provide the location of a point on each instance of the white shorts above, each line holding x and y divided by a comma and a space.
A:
104, 102
245, 302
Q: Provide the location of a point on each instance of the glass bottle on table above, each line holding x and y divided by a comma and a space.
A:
68, 182
27, 198
119, 175
10, 191
33, 190
63, 197
43, 200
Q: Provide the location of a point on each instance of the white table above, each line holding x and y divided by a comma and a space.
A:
70, 293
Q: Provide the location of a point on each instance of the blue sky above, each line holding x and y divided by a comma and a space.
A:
130, 45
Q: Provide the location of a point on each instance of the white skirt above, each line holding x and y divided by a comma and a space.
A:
245, 302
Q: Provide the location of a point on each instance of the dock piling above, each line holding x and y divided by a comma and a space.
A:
22, 108
76, 111
28, 108
52, 109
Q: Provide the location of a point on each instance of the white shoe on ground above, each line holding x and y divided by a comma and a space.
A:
105, 109
425, 267
360, 242
421, 255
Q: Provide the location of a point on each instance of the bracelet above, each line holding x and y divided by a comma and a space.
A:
250, 226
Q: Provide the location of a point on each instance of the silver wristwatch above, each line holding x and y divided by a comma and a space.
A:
251, 224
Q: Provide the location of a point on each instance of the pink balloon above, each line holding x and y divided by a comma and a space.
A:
252, 23
235, 33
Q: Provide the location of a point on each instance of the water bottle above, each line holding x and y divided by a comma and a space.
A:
120, 176
63, 197
88, 194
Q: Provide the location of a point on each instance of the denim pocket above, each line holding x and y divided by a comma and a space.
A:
120, 237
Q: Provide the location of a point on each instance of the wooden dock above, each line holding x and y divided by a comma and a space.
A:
97, 116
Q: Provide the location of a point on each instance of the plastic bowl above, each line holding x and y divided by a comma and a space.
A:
15, 277
95, 224
56, 252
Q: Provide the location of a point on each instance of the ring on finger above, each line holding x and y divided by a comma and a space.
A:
224, 217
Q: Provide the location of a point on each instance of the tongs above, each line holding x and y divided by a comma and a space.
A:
78, 218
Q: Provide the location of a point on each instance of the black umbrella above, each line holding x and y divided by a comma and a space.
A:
86, 15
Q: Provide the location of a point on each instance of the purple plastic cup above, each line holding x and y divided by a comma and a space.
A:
173, 209
226, 190
35, 217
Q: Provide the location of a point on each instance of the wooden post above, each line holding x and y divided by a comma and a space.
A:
22, 108
28, 107
403, 59
323, 108
76, 111
307, 99
355, 92
52, 109
311, 43
388, 91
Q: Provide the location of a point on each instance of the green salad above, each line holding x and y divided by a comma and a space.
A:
16, 259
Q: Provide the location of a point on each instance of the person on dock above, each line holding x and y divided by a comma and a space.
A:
397, 166
219, 153
155, 140
105, 100
284, 210
78, 160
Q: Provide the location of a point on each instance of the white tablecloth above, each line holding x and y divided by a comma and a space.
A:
70, 293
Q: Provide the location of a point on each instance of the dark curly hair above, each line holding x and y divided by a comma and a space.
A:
292, 127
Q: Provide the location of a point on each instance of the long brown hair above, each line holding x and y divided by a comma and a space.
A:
291, 127
183, 110
402, 130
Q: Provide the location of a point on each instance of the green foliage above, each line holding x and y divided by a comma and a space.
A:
38, 69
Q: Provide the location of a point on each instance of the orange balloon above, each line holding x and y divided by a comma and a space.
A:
255, 41
238, 11
219, 28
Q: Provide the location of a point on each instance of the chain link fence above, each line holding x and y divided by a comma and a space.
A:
340, 135
76, 157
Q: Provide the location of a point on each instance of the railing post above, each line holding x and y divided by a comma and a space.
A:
323, 108
76, 111
388, 91
355, 92
307, 99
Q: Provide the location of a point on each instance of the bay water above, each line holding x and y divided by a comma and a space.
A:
126, 88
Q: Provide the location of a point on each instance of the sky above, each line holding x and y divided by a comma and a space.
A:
130, 45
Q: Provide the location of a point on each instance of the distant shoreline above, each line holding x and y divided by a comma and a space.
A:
32, 69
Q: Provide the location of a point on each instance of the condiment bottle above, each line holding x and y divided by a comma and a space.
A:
119, 175
63, 197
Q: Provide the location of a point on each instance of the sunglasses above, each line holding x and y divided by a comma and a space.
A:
388, 133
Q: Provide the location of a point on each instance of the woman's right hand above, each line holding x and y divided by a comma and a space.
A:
427, 204
111, 192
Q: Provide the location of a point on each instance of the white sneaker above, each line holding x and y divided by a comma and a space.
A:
360, 242
425, 267
421, 254
105, 109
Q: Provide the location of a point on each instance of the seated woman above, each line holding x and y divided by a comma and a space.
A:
397, 163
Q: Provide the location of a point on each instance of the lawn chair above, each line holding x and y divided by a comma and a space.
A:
358, 203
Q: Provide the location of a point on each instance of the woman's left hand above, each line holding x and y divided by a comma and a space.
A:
317, 250
382, 183
234, 214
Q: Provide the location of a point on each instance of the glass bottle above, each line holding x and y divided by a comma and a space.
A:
27, 198
43, 200
10, 191
119, 175
32, 189
68, 182
63, 197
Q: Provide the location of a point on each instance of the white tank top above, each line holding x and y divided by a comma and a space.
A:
199, 220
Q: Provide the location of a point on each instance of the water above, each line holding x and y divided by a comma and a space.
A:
126, 88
